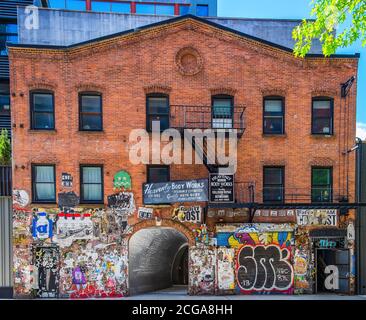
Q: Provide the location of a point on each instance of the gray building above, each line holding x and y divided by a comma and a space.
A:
202, 8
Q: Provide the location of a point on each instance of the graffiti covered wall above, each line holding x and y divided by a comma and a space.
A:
70, 252
263, 256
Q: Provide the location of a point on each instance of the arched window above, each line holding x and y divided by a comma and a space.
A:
157, 110
322, 115
222, 111
90, 111
42, 105
273, 115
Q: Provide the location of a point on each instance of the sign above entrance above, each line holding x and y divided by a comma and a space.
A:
176, 191
221, 188
317, 217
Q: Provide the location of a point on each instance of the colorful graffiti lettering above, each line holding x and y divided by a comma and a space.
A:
264, 268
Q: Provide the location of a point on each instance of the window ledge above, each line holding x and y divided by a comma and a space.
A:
323, 136
53, 131
274, 135
91, 131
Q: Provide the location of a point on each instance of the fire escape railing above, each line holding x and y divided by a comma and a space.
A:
203, 117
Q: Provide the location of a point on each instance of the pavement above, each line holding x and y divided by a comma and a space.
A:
180, 293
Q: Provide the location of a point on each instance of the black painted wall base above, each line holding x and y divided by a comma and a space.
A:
6, 292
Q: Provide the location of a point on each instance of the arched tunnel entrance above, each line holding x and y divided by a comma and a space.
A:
158, 259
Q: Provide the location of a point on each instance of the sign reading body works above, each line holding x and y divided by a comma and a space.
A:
176, 191
221, 188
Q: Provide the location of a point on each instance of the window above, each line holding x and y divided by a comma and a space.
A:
157, 110
90, 109
321, 184
68, 4
273, 115
322, 116
158, 173
273, 184
108, 6
162, 9
43, 183
91, 184
222, 112
183, 10
42, 110
8, 33
4, 104
202, 10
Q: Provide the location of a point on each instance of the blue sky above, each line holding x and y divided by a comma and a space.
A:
298, 9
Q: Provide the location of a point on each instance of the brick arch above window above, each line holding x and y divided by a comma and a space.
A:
89, 87
223, 91
321, 92
273, 162
157, 88
274, 92
321, 162
42, 85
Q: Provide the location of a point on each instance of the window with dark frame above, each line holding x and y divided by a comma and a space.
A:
158, 173
222, 112
91, 184
273, 184
157, 109
273, 115
321, 184
90, 112
322, 116
42, 110
43, 183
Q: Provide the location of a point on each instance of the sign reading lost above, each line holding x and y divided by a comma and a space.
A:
221, 188
188, 214
176, 191
316, 217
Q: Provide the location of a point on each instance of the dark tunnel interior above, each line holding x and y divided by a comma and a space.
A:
158, 258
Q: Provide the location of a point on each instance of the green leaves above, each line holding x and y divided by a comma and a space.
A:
5, 148
329, 15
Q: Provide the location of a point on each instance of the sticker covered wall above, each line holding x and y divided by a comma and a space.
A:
202, 266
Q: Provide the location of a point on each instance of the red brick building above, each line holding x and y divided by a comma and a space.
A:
73, 109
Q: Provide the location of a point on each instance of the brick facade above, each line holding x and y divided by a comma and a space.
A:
125, 68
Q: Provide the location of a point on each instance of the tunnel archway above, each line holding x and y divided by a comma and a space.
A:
158, 257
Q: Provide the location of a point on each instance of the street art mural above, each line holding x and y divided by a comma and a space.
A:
122, 180
20, 198
46, 271
73, 226
225, 278
202, 266
69, 252
264, 269
263, 256
94, 271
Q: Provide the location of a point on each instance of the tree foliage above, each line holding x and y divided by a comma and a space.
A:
5, 148
329, 14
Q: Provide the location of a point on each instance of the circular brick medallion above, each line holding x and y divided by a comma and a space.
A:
188, 61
